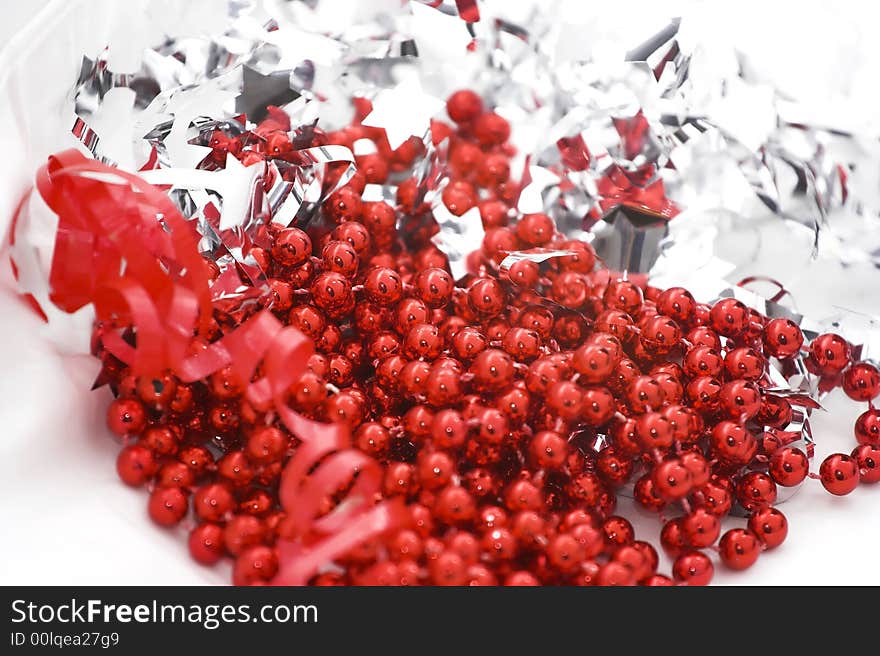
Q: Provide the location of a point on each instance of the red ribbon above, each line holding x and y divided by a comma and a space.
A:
122, 246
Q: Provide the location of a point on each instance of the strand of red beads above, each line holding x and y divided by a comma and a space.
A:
483, 402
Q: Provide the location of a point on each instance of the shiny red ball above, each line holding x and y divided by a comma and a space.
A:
693, 568
770, 526
861, 381
739, 548
839, 474
868, 458
167, 505
830, 354
782, 338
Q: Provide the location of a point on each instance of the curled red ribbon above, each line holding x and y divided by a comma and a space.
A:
122, 246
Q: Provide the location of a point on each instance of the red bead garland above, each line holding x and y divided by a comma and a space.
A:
506, 412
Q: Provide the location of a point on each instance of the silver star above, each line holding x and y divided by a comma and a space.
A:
403, 111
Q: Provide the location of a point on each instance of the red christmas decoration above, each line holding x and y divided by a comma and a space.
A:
370, 412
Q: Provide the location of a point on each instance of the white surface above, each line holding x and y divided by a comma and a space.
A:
65, 516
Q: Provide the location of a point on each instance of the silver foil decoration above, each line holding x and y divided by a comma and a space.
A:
658, 154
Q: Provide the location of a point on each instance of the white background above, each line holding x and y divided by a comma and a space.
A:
65, 517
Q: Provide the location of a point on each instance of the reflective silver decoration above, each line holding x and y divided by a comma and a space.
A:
658, 155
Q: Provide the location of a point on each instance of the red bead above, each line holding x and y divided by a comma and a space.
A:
280, 296
464, 106
677, 303
373, 438
410, 312
672, 537
449, 429
660, 335
616, 323
744, 363
465, 158
670, 386
156, 391
491, 130
469, 342
340, 257
646, 496
399, 479
292, 247
867, 427
524, 273
623, 295
212, 502
704, 336
789, 466
266, 444
380, 219
775, 412
618, 532
355, 234
535, 229
494, 213
197, 458
644, 394
594, 363
770, 526
739, 548
255, 565
597, 405
486, 297
700, 528
492, 370
499, 544
755, 490
242, 532
839, 474
235, 468
331, 291
126, 417
374, 167
422, 341
732, 443
466, 545
830, 354
582, 257
672, 480
459, 197
175, 474
615, 574
782, 338
523, 495
530, 529
868, 458
136, 465
861, 382
715, 498
729, 317
383, 286
693, 568
417, 423
654, 431
686, 424
614, 468
570, 290
206, 543
167, 505
521, 578
740, 400
454, 504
